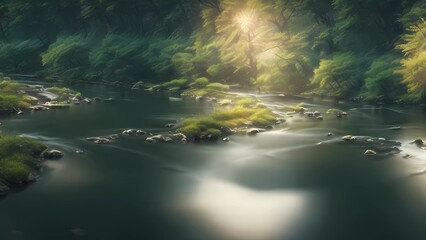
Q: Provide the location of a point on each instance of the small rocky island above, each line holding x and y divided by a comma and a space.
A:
20, 157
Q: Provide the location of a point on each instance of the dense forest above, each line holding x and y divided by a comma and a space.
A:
373, 49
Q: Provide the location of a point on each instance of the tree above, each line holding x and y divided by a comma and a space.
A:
414, 62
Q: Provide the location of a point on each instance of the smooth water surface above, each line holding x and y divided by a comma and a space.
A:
293, 183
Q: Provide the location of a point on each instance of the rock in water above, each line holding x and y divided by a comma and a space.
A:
418, 142
395, 128
51, 154
370, 152
348, 138
254, 131
129, 132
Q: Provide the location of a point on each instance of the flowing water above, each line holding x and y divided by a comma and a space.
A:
294, 183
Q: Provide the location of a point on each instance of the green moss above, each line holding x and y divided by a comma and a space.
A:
12, 145
200, 82
25, 159
245, 101
219, 122
13, 172
177, 84
263, 118
218, 87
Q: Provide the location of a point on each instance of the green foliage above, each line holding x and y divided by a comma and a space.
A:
20, 56
414, 62
68, 57
218, 87
221, 120
273, 45
177, 84
245, 101
12, 96
13, 172
200, 82
214, 70
128, 59
382, 83
341, 75
11, 145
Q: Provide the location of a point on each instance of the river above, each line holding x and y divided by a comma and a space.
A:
293, 183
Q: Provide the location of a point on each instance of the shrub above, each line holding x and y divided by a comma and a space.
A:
218, 87
13, 172
176, 84
25, 159
11, 145
200, 82
68, 57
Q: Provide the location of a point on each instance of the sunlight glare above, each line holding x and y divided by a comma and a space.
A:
246, 213
246, 20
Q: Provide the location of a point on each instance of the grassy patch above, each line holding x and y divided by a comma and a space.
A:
221, 121
12, 145
18, 158
12, 95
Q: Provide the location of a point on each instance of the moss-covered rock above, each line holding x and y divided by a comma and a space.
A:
221, 122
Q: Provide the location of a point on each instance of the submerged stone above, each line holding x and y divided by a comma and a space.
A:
370, 152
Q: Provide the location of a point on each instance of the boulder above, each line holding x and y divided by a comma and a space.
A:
329, 134
31, 178
418, 142
179, 137
309, 114
129, 132
101, 140
225, 139
51, 154
38, 108
348, 138
254, 131
317, 113
169, 125
320, 117
156, 138
370, 152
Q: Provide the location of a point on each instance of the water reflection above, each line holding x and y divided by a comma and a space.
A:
242, 213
